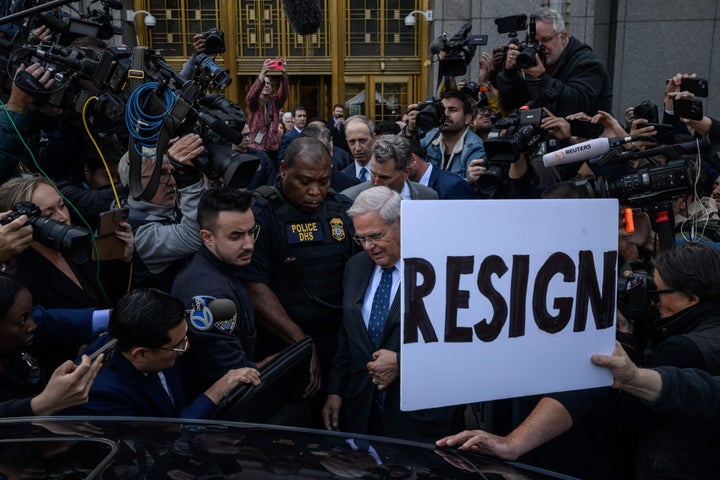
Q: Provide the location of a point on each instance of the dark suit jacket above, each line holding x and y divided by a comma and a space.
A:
341, 159
122, 390
417, 191
349, 377
350, 170
338, 136
450, 186
285, 141
339, 181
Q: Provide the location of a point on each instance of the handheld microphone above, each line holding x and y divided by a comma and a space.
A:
305, 16
205, 311
584, 151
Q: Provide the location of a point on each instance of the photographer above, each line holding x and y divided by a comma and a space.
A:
570, 78
68, 280
22, 112
453, 145
166, 228
264, 110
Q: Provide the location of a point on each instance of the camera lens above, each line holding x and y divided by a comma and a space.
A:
72, 241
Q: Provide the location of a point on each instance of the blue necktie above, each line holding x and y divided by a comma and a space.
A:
363, 177
380, 306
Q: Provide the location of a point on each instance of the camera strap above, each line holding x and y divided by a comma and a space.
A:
172, 122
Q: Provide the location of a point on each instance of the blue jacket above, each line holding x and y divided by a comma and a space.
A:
227, 344
122, 390
449, 186
472, 148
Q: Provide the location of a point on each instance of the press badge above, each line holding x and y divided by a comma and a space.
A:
304, 232
259, 137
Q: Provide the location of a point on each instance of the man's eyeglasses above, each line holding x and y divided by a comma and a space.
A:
370, 238
548, 39
655, 294
180, 347
164, 177
246, 135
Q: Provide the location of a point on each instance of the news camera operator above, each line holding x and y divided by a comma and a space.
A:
166, 229
686, 335
451, 146
22, 112
567, 78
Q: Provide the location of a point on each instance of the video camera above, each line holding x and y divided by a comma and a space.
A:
516, 134
431, 114
459, 50
136, 91
214, 41
528, 48
643, 187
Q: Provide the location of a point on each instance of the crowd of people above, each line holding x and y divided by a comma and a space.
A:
312, 248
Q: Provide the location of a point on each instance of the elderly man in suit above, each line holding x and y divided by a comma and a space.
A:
364, 384
390, 167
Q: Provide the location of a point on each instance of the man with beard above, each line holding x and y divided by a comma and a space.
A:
295, 278
228, 232
570, 77
337, 126
454, 145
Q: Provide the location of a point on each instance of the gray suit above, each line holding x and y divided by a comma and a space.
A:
349, 377
417, 191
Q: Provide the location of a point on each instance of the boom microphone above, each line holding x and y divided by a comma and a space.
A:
305, 16
584, 151
205, 311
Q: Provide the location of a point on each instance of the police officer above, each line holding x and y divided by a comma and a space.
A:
227, 229
295, 277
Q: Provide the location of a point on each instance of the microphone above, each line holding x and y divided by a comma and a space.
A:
205, 311
584, 151
305, 16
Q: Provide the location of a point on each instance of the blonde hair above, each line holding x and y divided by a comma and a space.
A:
20, 189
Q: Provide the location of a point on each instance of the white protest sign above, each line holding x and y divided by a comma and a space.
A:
505, 298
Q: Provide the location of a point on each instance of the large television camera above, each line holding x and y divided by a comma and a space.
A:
137, 92
514, 135
527, 49
459, 50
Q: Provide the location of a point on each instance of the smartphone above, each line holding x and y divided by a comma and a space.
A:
108, 246
276, 65
688, 108
696, 86
664, 133
109, 221
108, 349
585, 129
